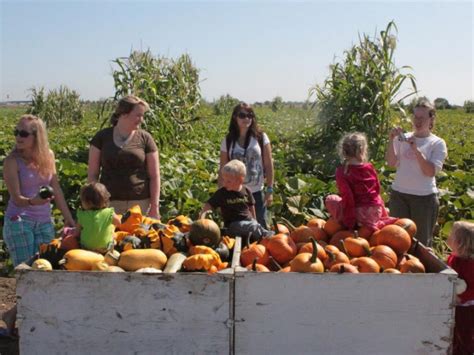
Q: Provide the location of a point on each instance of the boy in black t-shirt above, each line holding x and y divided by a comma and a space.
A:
236, 203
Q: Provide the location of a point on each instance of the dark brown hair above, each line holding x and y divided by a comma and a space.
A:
234, 131
94, 196
126, 105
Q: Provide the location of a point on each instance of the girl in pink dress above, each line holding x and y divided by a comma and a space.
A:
461, 242
359, 202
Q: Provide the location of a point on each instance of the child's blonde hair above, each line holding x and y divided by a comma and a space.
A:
94, 196
462, 235
235, 168
353, 145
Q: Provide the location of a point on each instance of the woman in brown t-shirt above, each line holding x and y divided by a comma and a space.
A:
126, 158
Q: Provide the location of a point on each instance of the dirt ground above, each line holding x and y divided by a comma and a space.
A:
8, 346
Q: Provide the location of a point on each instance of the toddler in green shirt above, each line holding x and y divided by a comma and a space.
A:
96, 221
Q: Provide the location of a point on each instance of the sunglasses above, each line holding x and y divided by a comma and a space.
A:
22, 133
243, 115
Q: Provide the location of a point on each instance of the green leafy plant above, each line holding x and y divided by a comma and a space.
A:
57, 107
169, 86
360, 95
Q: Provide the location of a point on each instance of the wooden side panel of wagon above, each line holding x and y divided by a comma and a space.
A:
124, 313
294, 313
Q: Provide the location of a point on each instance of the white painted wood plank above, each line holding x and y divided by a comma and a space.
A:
293, 313
123, 313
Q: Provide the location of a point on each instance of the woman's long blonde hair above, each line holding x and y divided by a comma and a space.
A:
41, 154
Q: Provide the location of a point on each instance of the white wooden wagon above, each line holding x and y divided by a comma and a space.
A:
237, 312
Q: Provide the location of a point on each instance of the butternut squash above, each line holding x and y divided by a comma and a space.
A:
134, 259
78, 259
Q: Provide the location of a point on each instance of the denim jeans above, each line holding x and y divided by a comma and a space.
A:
248, 228
260, 209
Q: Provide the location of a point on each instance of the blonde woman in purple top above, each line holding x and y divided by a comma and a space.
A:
29, 166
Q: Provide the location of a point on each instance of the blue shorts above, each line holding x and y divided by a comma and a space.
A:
23, 237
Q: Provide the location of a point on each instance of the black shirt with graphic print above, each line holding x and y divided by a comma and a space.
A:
234, 205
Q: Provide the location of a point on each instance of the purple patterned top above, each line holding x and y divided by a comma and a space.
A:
30, 183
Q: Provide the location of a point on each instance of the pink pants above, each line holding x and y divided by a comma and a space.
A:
373, 217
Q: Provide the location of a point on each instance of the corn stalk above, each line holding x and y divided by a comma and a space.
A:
360, 94
170, 86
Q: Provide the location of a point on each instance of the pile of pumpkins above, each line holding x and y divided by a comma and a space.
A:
321, 246
146, 245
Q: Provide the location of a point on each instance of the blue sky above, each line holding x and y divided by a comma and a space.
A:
252, 50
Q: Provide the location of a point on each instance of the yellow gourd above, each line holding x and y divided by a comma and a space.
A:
78, 259
134, 259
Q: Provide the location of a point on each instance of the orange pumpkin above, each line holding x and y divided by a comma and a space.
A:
254, 250
285, 269
364, 232
342, 268
70, 242
335, 258
412, 266
281, 247
391, 271
302, 234
356, 246
332, 248
366, 264
308, 248
307, 262
408, 225
281, 228
409, 263
384, 256
316, 222
395, 237
254, 266
332, 226
341, 235
319, 234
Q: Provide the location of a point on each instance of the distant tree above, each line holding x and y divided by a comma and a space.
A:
441, 103
277, 104
469, 106
225, 104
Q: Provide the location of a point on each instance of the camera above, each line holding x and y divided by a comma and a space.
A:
45, 192
402, 137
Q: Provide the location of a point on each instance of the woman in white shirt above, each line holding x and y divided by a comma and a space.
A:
418, 157
247, 143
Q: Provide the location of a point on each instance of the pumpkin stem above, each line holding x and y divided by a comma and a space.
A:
332, 256
367, 250
314, 256
344, 247
254, 264
342, 269
290, 225
356, 233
